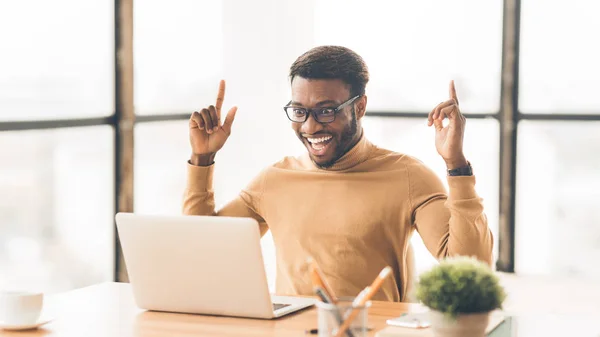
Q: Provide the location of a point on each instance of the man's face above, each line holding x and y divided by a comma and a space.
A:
327, 142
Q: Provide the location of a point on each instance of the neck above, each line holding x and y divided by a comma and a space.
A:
354, 142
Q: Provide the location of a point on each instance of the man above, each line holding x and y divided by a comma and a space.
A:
347, 203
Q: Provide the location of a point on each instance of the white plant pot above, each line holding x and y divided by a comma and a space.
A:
465, 325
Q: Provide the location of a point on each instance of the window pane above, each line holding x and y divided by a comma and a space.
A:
56, 208
413, 137
558, 193
177, 54
414, 48
560, 72
161, 152
57, 59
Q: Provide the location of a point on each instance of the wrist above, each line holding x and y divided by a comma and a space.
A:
466, 170
457, 162
206, 159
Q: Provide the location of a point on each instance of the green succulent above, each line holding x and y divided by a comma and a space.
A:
460, 285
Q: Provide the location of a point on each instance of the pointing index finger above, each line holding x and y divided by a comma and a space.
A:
453, 92
220, 98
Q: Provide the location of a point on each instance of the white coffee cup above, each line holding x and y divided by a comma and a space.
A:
20, 307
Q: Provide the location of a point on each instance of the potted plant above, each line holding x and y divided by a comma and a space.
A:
460, 292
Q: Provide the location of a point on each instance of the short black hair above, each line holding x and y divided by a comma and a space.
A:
333, 62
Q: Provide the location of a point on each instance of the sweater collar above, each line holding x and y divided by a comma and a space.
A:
356, 155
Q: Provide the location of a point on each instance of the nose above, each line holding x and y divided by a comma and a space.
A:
311, 126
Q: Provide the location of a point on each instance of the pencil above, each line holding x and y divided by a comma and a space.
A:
318, 280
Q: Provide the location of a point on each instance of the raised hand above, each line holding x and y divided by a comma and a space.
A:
449, 139
207, 134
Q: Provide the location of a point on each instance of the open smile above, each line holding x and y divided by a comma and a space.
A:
318, 146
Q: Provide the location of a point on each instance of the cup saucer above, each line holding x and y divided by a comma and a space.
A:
40, 322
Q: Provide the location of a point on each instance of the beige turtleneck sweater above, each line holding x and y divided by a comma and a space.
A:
354, 218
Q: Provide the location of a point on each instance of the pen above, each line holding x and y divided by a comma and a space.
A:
318, 279
363, 298
316, 331
322, 295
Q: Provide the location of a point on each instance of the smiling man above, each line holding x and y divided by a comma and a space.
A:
347, 203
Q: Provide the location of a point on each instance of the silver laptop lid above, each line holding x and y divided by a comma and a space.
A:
195, 264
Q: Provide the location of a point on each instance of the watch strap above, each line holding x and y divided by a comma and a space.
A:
461, 171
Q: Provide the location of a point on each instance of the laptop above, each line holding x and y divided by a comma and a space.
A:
209, 265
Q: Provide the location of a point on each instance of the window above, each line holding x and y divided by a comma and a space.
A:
559, 62
558, 190
58, 115
56, 208
557, 140
51, 70
56, 177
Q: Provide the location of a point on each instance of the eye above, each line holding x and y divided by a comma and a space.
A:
299, 112
326, 111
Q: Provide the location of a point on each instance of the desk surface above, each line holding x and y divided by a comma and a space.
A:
108, 309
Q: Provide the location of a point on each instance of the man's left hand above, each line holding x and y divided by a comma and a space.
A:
449, 139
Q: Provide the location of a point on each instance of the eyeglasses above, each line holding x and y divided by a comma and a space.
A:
321, 115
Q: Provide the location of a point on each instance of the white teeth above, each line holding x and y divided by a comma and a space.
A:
318, 140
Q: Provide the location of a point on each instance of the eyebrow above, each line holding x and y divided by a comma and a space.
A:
321, 103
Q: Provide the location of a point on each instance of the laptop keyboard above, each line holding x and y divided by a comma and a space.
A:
277, 306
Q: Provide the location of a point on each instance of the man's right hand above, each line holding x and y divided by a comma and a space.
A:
207, 134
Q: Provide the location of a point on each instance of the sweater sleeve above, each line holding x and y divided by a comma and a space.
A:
449, 224
199, 197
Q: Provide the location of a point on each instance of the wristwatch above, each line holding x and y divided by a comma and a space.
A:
461, 171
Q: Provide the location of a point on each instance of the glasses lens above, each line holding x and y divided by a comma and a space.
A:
296, 114
326, 115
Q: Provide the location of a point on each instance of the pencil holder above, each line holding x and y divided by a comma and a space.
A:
331, 316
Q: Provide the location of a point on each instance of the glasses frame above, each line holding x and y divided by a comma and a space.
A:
314, 111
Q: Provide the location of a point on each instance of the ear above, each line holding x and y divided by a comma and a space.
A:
361, 106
